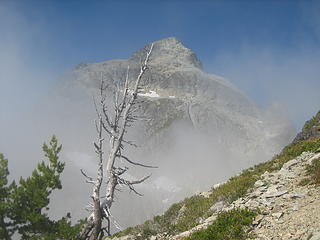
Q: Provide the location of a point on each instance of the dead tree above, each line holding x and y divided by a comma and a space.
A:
114, 127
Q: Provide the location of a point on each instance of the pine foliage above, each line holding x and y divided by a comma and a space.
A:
24, 206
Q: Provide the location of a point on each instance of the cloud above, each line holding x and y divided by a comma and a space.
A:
269, 75
23, 80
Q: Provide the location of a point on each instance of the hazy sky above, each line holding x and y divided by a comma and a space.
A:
268, 49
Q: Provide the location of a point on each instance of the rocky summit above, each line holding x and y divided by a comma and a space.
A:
177, 90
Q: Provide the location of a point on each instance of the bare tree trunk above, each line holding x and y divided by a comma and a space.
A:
115, 130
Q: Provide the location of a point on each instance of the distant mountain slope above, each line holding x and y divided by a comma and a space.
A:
178, 89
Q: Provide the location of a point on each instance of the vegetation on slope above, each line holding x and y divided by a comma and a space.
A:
313, 122
228, 225
313, 173
186, 214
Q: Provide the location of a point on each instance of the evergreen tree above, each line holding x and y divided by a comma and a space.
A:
24, 207
5, 224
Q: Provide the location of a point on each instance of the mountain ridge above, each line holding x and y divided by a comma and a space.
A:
208, 102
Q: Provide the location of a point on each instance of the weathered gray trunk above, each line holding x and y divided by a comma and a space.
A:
116, 129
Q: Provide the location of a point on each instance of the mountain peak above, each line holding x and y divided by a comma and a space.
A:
170, 51
169, 42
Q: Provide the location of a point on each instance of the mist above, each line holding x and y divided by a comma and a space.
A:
189, 162
271, 76
32, 110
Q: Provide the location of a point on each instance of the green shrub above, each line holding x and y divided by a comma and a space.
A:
314, 171
195, 208
304, 182
228, 225
127, 231
294, 150
314, 121
146, 231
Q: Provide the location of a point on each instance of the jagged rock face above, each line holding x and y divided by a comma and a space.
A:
177, 89
310, 130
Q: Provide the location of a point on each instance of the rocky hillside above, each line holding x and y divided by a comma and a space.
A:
177, 90
287, 208
278, 199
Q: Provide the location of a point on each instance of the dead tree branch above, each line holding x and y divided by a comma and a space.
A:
115, 127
